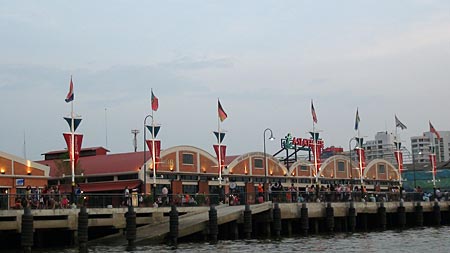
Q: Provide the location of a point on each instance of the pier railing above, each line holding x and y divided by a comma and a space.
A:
61, 201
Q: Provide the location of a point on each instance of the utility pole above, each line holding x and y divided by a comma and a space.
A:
135, 133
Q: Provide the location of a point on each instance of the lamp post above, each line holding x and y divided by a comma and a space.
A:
414, 166
145, 161
265, 159
350, 152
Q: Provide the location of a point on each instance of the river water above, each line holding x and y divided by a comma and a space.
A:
411, 240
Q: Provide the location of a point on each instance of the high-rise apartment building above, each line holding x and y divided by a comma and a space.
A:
382, 147
421, 146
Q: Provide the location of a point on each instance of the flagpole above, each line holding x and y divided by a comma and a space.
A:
315, 149
153, 150
220, 158
72, 144
433, 160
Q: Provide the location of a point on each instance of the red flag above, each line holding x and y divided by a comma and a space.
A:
78, 138
399, 158
362, 159
313, 112
223, 150
157, 150
155, 103
70, 96
433, 163
433, 130
222, 114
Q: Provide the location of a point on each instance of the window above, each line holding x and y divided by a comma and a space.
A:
258, 163
127, 177
188, 159
341, 166
189, 177
381, 169
304, 167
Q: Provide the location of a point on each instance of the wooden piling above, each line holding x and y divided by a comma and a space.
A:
418, 210
131, 228
173, 226
304, 220
352, 217
401, 216
382, 216
437, 214
329, 218
277, 221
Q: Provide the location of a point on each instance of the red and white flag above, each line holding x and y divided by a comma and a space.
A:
433, 130
70, 96
313, 112
155, 103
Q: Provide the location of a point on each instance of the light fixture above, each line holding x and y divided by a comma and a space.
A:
2, 171
28, 172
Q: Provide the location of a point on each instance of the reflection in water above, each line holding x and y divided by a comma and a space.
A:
412, 240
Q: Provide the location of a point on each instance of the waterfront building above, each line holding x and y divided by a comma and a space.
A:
16, 174
191, 170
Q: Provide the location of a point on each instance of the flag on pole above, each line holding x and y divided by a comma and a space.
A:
433, 130
313, 112
357, 120
70, 96
222, 114
399, 124
155, 103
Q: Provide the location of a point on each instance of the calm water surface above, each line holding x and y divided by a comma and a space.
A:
412, 240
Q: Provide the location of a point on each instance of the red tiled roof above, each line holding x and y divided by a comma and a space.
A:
110, 186
105, 164
229, 159
111, 163
83, 149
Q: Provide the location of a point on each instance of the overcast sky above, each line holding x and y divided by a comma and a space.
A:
265, 60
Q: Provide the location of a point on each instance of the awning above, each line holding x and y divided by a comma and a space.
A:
110, 186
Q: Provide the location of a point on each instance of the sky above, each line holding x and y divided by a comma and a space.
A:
264, 60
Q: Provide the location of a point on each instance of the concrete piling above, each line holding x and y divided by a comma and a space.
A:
382, 216
131, 228
82, 233
304, 220
277, 221
437, 214
213, 226
173, 226
247, 222
352, 217
418, 210
329, 217
27, 230
401, 215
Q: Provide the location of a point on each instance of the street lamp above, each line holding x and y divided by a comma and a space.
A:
414, 166
350, 152
265, 158
145, 161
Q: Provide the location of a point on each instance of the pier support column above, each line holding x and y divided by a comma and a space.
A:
304, 220
173, 226
268, 219
382, 216
213, 226
277, 221
247, 222
289, 228
82, 232
418, 210
26, 239
131, 228
437, 214
352, 217
234, 231
330, 218
364, 221
401, 215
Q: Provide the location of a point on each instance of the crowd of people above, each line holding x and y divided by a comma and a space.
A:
48, 197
